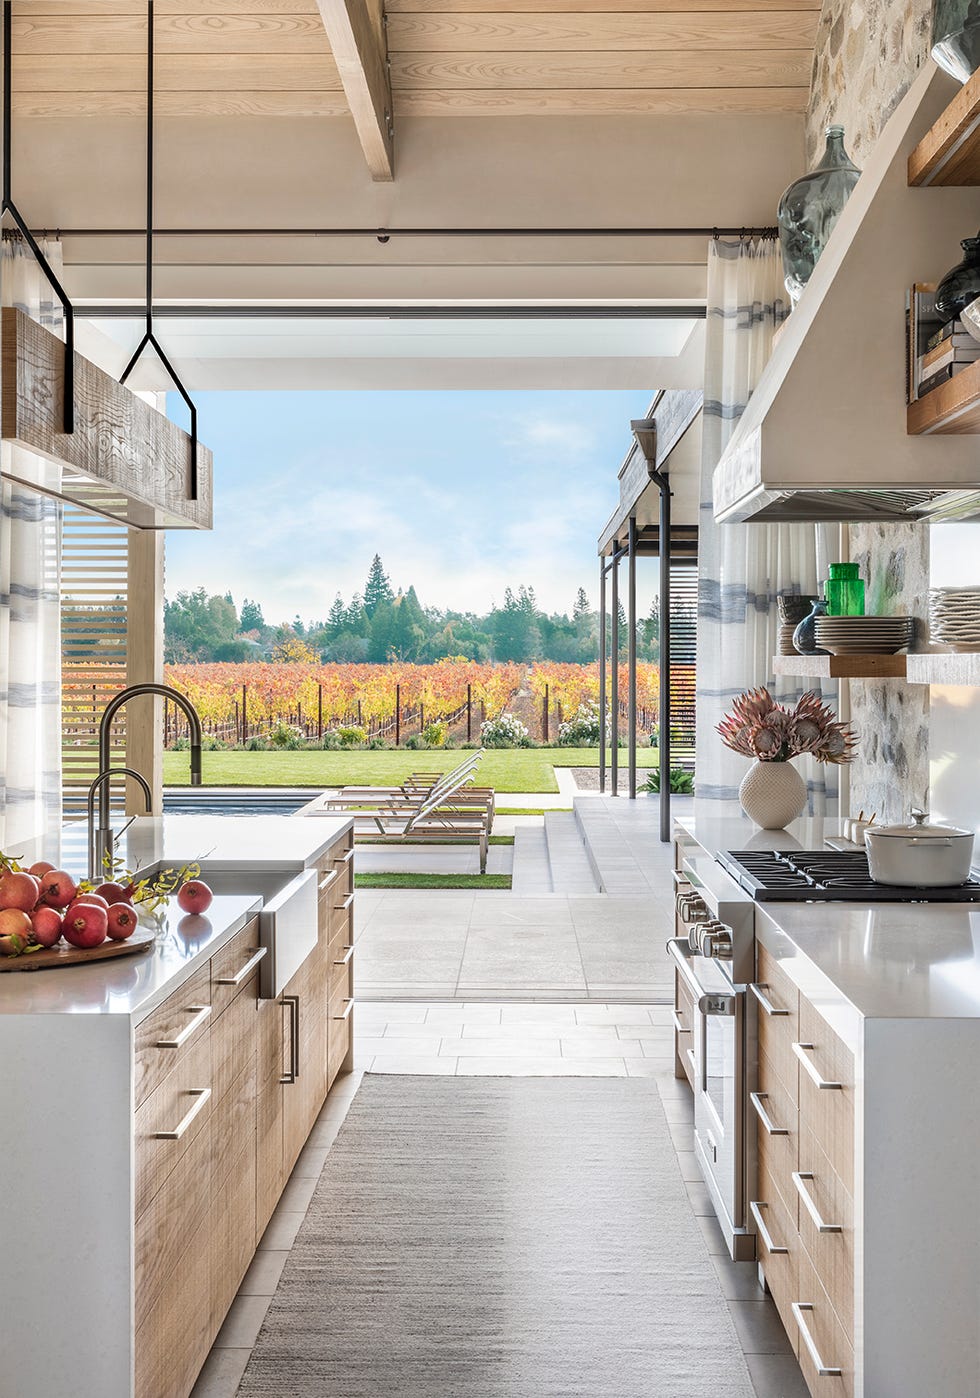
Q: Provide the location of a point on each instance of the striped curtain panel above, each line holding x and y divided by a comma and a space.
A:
743, 568
30, 622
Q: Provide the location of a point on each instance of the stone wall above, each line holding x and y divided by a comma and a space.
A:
867, 53
866, 57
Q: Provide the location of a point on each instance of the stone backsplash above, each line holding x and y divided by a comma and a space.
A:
866, 57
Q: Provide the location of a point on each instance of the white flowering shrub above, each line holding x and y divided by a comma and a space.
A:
583, 728
504, 732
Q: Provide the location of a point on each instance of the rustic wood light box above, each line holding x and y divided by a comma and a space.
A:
124, 459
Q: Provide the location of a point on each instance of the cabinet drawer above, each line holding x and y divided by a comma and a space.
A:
339, 1029
233, 1038
683, 1027
778, 1005
172, 1263
180, 1106
821, 1340
235, 966
171, 1030
827, 1111
777, 1122
778, 1249
823, 1197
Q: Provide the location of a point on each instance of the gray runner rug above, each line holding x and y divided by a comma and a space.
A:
499, 1238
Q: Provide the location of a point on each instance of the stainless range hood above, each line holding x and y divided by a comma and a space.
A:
824, 435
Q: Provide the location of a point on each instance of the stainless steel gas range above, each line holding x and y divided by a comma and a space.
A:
718, 999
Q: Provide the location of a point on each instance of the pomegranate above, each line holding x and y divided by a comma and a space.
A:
95, 899
47, 926
41, 868
115, 893
19, 891
194, 896
85, 924
15, 931
121, 921
57, 889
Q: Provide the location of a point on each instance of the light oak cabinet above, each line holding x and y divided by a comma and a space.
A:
804, 1210
228, 1087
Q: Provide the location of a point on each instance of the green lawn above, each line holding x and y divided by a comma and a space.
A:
432, 881
505, 769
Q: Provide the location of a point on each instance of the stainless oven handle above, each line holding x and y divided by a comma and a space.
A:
765, 1004
755, 1208
757, 1099
679, 950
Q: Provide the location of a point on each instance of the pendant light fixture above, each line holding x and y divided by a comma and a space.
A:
149, 336
7, 206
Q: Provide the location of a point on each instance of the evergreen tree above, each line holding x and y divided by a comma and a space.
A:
252, 618
377, 589
354, 615
581, 607
651, 630
623, 630
336, 617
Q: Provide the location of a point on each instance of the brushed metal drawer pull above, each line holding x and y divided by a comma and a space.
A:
346, 858
328, 879
350, 1006
799, 1177
292, 1004
757, 1099
825, 1371
342, 907
250, 965
755, 1209
201, 1094
678, 1024
765, 1004
348, 953
201, 1014
801, 1051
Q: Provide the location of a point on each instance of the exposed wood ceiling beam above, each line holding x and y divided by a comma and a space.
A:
360, 53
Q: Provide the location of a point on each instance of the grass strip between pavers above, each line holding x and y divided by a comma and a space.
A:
531, 810
432, 881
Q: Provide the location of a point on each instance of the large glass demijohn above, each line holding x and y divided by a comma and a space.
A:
809, 209
956, 36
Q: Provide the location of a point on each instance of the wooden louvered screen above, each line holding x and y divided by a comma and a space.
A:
94, 588
683, 623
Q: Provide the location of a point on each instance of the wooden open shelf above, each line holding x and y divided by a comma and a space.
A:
949, 153
947, 667
841, 667
952, 408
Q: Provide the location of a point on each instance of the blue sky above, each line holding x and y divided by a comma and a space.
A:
462, 494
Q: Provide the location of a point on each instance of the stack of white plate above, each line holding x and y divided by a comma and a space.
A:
865, 635
954, 617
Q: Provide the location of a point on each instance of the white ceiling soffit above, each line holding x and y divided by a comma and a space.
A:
267, 352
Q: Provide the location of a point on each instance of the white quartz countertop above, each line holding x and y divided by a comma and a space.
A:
134, 985
130, 985
257, 842
858, 960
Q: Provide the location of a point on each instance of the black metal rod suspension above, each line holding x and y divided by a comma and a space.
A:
385, 235
602, 675
663, 485
8, 206
149, 337
631, 653
614, 676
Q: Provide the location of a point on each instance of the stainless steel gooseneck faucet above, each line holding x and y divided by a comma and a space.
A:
101, 844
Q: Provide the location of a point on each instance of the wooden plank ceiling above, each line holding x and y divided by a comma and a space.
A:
448, 57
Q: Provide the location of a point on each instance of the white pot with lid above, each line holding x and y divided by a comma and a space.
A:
919, 855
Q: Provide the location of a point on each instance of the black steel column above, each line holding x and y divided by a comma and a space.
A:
614, 677
664, 685
631, 683
602, 674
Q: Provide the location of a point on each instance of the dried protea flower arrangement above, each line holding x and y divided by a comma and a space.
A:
759, 727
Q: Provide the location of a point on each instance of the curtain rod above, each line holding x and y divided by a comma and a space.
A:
384, 235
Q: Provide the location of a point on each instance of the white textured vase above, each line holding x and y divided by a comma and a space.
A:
772, 794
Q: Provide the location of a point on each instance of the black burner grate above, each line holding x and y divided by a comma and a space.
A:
827, 876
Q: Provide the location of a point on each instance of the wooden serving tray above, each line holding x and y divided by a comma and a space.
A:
53, 958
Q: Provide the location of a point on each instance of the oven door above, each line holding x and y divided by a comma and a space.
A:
719, 1076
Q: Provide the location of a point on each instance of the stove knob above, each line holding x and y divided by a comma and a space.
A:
691, 907
718, 943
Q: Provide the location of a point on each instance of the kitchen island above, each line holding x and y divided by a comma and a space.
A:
153, 1107
863, 1129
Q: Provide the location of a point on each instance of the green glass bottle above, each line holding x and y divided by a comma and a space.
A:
845, 590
